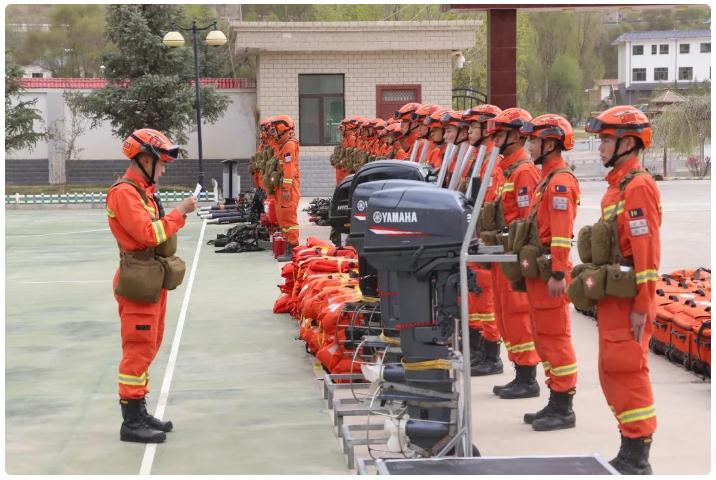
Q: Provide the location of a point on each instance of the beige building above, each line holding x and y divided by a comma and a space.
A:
320, 72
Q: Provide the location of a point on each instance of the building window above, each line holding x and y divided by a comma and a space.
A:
653, 49
638, 75
661, 74
706, 47
37, 75
321, 107
686, 73
389, 98
637, 50
664, 49
684, 48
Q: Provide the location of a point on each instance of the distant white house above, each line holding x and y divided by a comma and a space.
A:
35, 71
661, 59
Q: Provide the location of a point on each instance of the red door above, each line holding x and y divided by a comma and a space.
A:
389, 98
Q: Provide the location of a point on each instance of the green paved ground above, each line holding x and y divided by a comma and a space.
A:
243, 399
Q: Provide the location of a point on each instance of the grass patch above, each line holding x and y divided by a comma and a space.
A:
60, 189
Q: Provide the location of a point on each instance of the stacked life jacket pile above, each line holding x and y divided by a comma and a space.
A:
682, 328
320, 283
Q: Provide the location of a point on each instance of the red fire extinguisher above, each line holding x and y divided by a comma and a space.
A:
278, 242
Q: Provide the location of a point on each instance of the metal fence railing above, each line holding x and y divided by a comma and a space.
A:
88, 197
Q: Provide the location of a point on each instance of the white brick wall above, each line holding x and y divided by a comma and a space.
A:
277, 83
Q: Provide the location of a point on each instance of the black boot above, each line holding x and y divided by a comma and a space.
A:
633, 457
560, 416
523, 386
286, 257
530, 417
135, 427
477, 347
153, 421
491, 364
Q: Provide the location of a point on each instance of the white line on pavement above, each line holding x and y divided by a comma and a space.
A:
58, 233
150, 450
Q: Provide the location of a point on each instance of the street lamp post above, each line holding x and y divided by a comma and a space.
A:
175, 39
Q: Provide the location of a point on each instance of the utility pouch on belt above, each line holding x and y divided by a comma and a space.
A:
576, 289
544, 265
519, 286
140, 276
174, 270
584, 244
520, 230
168, 248
512, 271
621, 281
489, 237
488, 216
601, 243
594, 279
528, 260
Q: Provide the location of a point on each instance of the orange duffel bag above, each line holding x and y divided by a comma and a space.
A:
701, 360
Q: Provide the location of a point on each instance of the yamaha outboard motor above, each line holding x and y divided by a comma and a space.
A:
415, 233
339, 213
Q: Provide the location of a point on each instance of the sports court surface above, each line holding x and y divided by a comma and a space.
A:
243, 395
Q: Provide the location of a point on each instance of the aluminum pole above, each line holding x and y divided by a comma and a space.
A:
465, 152
465, 324
476, 168
444, 167
197, 103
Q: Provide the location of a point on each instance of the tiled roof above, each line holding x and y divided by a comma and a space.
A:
661, 35
91, 83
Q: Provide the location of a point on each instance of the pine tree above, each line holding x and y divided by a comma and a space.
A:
20, 116
149, 84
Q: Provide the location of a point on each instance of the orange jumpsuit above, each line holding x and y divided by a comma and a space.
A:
435, 154
289, 194
482, 306
623, 363
556, 209
512, 308
405, 144
136, 225
348, 141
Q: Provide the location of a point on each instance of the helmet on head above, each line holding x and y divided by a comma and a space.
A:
423, 111
481, 113
622, 121
378, 123
405, 112
282, 124
394, 128
549, 126
153, 142
451, 117
508, 119
433, 120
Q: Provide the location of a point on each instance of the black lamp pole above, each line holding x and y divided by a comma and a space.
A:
197, 100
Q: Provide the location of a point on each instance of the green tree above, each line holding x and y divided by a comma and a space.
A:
20, 115
149, 83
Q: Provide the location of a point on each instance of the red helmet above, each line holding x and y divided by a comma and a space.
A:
451, 117
622, 121
424, 111
394, 128
282, 124
404, 113
147, 140
378, 124
481, 113
433, 120
508, 119
550, 125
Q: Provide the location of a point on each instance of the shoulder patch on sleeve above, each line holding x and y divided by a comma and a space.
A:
638, 227
636, 213
560, 203
560, 188
287, 157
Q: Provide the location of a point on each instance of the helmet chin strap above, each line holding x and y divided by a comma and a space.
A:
505, 145
150, 178
616, 156
542, 154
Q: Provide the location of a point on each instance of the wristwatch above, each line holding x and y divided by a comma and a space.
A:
558, 275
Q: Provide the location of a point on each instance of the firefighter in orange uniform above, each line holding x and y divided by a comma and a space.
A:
455, 134
393, 135
485, 343
137, 222
436, 134
520, 177
289, 194
408, 128
553, 208
633, 202
418, 117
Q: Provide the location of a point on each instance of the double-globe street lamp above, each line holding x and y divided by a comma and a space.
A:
174, 39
